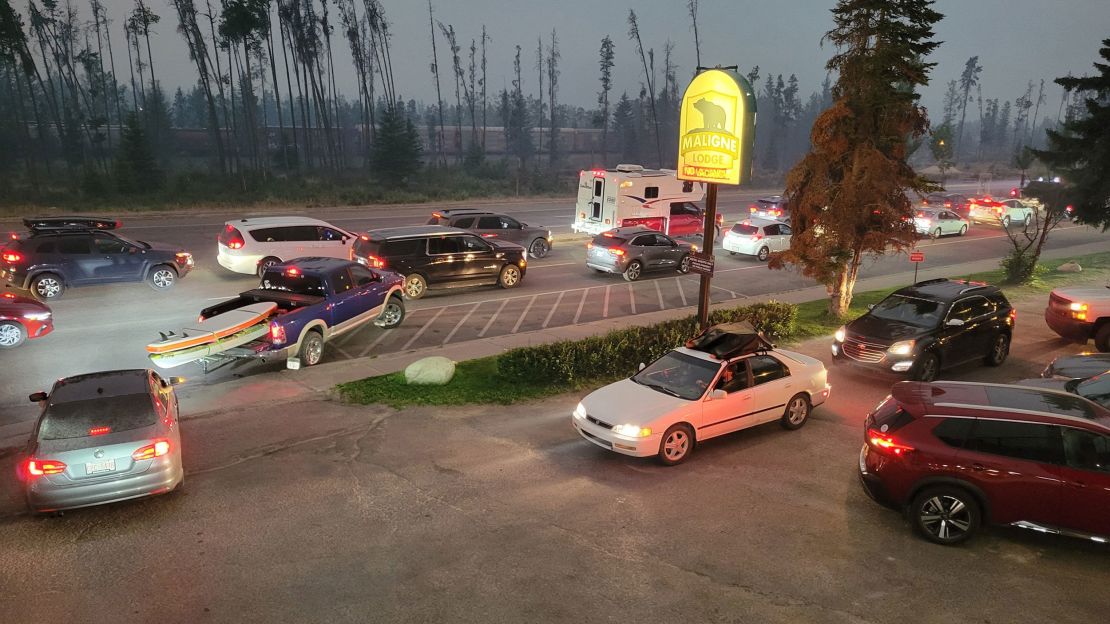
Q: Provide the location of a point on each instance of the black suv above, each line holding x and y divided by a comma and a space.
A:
537, 240
433, 254
921, 329
62, 252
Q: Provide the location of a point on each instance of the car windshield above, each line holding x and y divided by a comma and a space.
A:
910, 310
1096, 388
679, 375
297, 283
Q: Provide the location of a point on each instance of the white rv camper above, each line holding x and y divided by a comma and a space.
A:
632, 195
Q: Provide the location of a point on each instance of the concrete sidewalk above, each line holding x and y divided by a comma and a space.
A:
288, 385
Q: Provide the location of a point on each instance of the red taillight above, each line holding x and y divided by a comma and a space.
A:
40, 467
757, 237
1013, 316
437, 215
150, 451
489, 236
589, 245
375, 262
12, 256
616, 252
608, 235
231, 237
277, 333
294, 271
598, 173
752, 208
921, 215
886, 443
720, 218
947, 204
95, 431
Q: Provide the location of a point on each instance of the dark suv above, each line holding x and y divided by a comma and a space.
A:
537, 240
63, 252
955, 455
428, 255
922, 329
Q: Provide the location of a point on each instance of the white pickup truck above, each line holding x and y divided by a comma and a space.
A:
1081, 314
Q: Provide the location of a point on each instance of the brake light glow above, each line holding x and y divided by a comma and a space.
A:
150, 451
1079, 311
720, 218
40, 467
294, 271
616, 252
752, 208
437, 215
11, 256
95, 431
375, 262
589, 245
231, 237
1013, 316
277, 333
489, 235
184, 258
757, 237
886, 443
598, 173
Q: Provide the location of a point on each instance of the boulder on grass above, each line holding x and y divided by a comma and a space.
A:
1069, 267
430, 371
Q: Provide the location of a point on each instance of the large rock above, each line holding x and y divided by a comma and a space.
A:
430, 371
1069, 267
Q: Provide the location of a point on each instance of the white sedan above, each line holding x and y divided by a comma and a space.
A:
689, 395
937, 222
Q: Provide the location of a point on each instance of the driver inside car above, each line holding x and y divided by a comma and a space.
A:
734, 377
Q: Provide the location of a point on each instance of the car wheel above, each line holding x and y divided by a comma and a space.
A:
266, 263
963, 230
945, 515
684, 265
1102, 338
797, 412
732, 253
763, 254
632, 273
937, 233
927, 367
12, 334
312, 348
162, 277
676, 445
539, 248
392, 314
47, 287
509, 277
1000, 348
415, 286
1006, 222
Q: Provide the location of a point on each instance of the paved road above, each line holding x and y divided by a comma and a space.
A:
321, 512
108, 326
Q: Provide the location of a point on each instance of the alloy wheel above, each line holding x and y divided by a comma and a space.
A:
798, 410
48, 287
392, 314
414, 287
539, 248
313, 349
510, 276
162, 278
10, 335
1000, 349
632, 273
764, 253
684, 265
676, 445
937, 233
946, 518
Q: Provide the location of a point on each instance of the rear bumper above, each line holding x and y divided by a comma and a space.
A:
163, 475
608, 267
871, 483
240, 264
1069, 328
731, 244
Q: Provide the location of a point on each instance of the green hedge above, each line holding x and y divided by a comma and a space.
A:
618, 353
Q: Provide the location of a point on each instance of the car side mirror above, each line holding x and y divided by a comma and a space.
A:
955, 323
642, 366
715, 395
38, 397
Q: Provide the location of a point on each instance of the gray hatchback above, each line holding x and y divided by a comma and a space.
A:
103, 437
631, 251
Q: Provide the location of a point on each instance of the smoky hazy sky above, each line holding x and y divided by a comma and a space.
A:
1016, 41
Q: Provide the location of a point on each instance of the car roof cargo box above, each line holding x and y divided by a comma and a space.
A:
70, 223
729, 340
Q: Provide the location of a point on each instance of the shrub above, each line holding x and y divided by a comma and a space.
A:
617, 354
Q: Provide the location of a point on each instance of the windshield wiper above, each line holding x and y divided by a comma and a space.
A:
664, 390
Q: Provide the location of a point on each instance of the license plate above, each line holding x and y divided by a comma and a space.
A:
108, 465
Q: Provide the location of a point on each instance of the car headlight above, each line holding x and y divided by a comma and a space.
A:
904, 347
580, 411
840, 334
549, 235
37, 316
632, 431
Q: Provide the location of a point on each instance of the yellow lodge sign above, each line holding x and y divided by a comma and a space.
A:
717, 129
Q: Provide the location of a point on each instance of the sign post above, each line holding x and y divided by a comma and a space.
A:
715, 138
916, 257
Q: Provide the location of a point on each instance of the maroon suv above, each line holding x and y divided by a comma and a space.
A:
955, 455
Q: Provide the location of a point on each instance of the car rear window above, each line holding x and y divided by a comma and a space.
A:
604, 240
299, 283
745, 229
890, 416
80, 419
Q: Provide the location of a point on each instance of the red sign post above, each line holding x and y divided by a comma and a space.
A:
916, 257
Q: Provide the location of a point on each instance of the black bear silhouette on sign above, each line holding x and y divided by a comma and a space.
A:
712, 115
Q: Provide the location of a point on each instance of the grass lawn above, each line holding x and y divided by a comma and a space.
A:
477, 381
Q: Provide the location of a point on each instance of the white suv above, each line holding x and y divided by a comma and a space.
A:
1081, 314
252, 245
757, 237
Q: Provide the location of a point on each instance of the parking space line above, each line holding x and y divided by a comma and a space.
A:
682, 293
659, 292
605, 306
581, 304
490, 321
632, 298
734, 295
422, 329
524, 314
370, 347
460, 323
552, 311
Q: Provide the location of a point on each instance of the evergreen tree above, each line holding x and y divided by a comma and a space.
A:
848, 195
136, 169
625, 127
397, 151
1079, 151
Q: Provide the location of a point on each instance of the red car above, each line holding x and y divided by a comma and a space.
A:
955, 455
22, 318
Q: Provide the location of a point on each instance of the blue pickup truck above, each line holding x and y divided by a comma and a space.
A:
317, 299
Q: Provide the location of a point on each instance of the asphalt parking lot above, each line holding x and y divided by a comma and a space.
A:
319, 511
